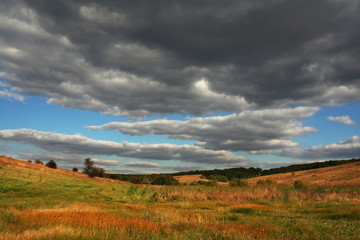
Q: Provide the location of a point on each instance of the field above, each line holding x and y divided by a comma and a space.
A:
41, 203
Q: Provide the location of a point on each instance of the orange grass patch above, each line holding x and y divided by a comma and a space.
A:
88, 220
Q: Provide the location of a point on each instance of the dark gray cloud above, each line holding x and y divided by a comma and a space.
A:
137, 58
344, 149
78, 144
247, 131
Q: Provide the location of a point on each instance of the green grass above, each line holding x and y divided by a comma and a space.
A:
38, 204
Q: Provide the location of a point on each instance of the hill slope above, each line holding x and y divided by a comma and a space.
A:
335, 176
7, 161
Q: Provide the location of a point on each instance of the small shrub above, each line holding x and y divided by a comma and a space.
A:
243, 210
51, 164
211, 183
238, 182
75, 169
96, 172
266, 183
39, 162
233, 218
194, 183
165, 180
300, 185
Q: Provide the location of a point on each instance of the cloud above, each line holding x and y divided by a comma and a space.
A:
138, 58
6, 93
142, 164
349, 148
246, 131
77, 144
157, 168
342, 119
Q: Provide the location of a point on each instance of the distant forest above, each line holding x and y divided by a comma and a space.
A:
223, 174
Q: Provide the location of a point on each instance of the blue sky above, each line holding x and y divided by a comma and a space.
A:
190, 87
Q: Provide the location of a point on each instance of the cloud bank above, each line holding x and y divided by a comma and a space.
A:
348, 148
77, 144
136, 58
246, 131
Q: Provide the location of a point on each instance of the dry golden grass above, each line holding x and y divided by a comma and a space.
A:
187, 179
345, 175
190, 178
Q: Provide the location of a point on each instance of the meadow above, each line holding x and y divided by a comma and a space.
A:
40, 204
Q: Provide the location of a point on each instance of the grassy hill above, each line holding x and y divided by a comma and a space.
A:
343, 175
40, 203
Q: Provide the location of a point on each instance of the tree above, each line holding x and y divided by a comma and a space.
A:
89, 164
39, 162
92, 171
51, 164
75, 169
165, 180
218, 178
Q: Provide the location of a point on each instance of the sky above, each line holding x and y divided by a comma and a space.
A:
166, 86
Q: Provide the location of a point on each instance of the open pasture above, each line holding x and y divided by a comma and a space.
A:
53, 205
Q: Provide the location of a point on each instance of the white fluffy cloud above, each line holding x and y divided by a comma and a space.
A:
246, 131
77, 144
342, 119
344, 149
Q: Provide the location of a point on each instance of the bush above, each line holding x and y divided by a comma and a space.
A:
211, 183
75, 169
266, 183
238, 182
165, 180
96, 172
218, 178
300, 185
51, 164
39, 162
